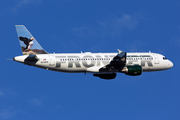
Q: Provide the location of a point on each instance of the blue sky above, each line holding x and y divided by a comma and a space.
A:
71, 26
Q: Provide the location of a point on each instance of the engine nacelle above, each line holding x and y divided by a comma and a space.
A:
106, 76
133, 70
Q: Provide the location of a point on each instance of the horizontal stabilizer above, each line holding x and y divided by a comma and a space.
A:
32, 58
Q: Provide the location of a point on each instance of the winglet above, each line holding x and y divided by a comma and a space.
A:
119, 51
28, 43
121, 54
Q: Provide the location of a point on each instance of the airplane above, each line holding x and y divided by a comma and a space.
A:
102, 65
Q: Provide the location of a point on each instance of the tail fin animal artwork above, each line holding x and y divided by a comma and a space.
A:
28, 43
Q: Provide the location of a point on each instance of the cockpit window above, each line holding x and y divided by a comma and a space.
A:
164, 58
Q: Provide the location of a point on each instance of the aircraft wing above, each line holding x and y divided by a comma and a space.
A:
118, 63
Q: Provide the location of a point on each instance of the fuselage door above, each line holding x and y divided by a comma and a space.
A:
51, 60
156, 60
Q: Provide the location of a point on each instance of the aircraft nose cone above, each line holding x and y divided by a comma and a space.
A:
170, 64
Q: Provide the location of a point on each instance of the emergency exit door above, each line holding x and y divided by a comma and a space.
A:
51, 60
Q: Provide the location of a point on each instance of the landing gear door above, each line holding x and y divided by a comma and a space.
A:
51, 60
156, 59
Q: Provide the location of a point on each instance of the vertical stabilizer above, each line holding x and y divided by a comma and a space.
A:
28, 43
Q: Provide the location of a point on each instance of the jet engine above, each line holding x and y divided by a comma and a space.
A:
133, 70
106, 76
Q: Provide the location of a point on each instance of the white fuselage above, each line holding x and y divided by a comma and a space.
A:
92, 62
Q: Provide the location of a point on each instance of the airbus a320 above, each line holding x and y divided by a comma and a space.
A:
102, 65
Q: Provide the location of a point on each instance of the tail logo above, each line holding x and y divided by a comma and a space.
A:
29, 45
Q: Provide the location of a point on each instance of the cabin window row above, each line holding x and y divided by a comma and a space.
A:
140, 58
84, 59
